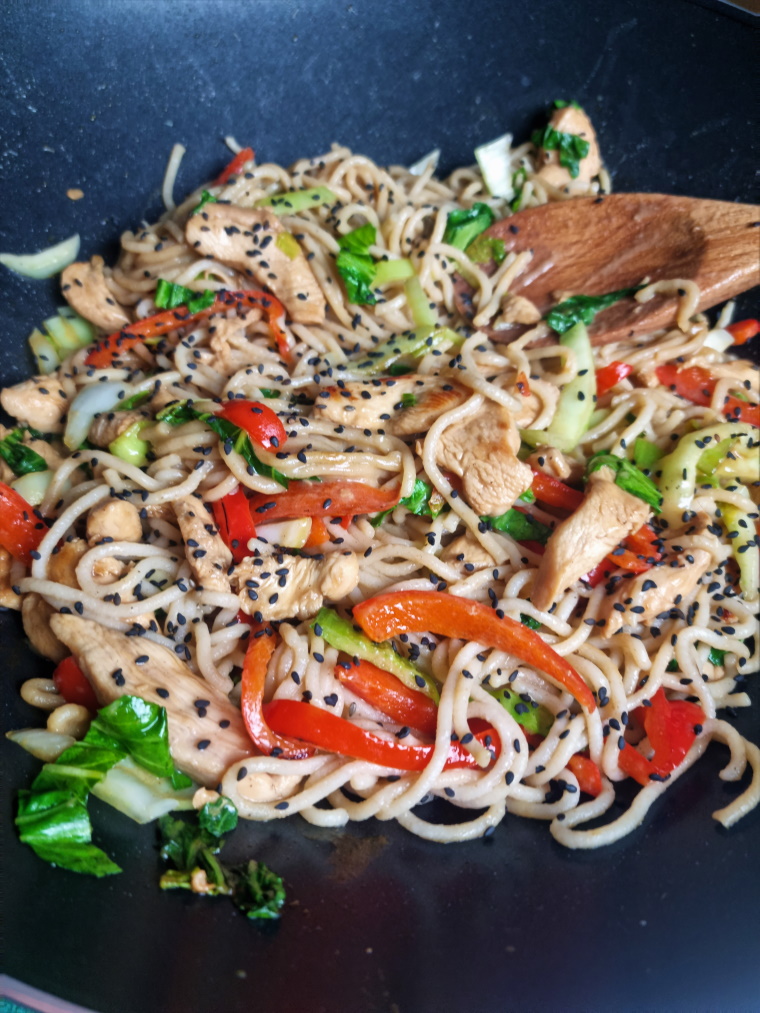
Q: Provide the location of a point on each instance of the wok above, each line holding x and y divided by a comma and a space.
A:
93, 96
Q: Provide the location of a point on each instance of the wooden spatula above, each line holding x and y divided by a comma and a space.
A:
595, 245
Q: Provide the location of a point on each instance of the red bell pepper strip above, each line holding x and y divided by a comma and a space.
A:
523, 384
697, 385
396, 612
608, 376
260, 649
587, 774
234, 167
21, 529
555, 493
318, 534
670, 727
108, 349
73, 685
233, 518
388, 693
639, 554
324, 499
260, 422
743, 330
327, 731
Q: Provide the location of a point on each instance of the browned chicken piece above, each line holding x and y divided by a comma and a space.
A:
8, 597
387, 404
85, 289
35, 616
419, 417
115, 520
199, 746
552, 461
482, 451
570, 120
604, 518
208, 556
63, 562
515, 309
293, 587
641, 598
467, 553
38, 403
253, 241
109, 426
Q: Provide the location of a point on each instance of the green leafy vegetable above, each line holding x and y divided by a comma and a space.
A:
56, 825
716, 656
423, 501
269, 392
388, 271
206, 198
583, 308
134, 401
560, 103
628, 477
192, 850
290, 202
408, 400
169, 295
572, 148
519, 179
646, 454
384, 358
520, 526
485, 249
355, 265
129, 447
465, 224
22, 460
181, 412
530, 622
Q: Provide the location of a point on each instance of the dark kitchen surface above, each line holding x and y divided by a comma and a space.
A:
93, 96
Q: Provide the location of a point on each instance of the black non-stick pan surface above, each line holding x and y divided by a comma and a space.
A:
93, 95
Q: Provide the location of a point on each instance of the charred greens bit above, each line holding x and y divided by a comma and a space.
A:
192, 850
485, 249
572, 148
355, 265
534, 717
206, 198
522, 527
583, 308
576, 402
290, 202
530, 622
52, 817
628, 477
646, 454
134, 401
340, 633
168, 296
182, 412
424, 501
408, 345
465, 224
22, 460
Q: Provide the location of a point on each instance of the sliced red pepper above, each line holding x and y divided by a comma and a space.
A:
587, 774
233, 518
324, 499
396, 612
318, 534
21, 529
670, 727
73, 685
327, 731
555, 493
260, 649
234, 167
106, 351
523, 384
743, 330
697, 385
637, 554
608, 376
388, 693
260, 422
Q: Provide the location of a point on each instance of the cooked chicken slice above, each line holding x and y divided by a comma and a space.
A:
259, 786
85, 290
515, 309
110, 426
293, 587
199, 746
467, 553
570, 120
35, 615
482, 451
251, 240
543, 397
552, 461
63, 562
383, 404
38, 403
206, 553
604, 518
638, 599
419, 417
8, 597
115, 520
